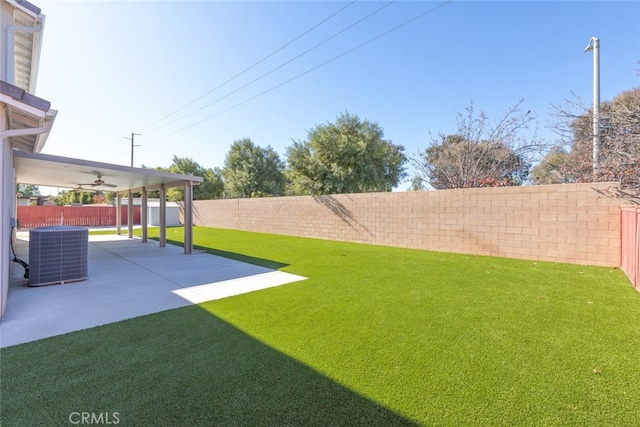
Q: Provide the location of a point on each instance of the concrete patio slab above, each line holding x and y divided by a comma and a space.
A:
127, 278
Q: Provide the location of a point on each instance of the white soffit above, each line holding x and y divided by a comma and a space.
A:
24, 50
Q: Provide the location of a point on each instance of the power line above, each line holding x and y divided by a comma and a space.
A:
252, 66
279, 66
310, 69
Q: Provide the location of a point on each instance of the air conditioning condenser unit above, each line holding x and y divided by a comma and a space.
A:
58, 254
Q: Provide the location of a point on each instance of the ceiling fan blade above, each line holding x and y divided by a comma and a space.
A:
80, 188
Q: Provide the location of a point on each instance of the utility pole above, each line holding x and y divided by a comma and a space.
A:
132, 144
130, 195
594, 45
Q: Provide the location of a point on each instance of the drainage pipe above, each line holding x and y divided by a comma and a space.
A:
4, 134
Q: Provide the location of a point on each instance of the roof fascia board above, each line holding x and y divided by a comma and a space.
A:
179, 178
158, 187
26, 7
22, 106
41, 139
23, 96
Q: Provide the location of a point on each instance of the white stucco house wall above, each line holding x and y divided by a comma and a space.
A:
25, 119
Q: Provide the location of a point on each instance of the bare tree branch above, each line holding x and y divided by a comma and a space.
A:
619, 150
480, 154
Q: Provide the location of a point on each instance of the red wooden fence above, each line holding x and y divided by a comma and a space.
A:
630, 241
84, 216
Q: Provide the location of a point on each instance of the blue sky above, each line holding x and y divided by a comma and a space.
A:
116, 67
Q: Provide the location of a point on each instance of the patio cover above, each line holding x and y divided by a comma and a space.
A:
55, 171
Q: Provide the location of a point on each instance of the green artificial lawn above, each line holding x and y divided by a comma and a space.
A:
376, 336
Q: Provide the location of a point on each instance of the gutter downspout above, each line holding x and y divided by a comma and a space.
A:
10, 51
5, 134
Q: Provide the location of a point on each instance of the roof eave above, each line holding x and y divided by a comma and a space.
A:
36, 54
26, 7
33, 115
41, 138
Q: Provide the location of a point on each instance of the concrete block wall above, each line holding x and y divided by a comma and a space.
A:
575, 223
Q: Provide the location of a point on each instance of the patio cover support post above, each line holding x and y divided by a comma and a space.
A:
118, 214
143, 215
130, 214
163, 216
188, 217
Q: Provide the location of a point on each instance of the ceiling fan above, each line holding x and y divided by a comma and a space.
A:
99, 183
80, 188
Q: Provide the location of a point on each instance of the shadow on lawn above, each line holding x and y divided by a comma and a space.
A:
180, 367
274, 265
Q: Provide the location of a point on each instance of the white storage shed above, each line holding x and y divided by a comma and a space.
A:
153, 213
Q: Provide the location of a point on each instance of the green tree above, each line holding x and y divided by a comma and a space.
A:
480, 154
61, 198
28, 190
252, 171
72, 196
211, 188
348, 156
554, 168
109, 196
417, 183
